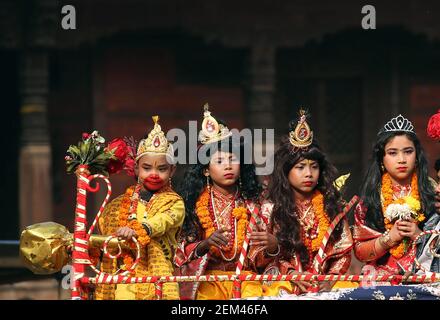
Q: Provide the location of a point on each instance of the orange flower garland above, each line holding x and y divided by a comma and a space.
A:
387, 199
323, 222
240, 214
128, 261
204, 215
127, 208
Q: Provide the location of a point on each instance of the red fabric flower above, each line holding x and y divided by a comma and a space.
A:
120, 151
114, 166
119, 148
85, 135
433, 128
130, 163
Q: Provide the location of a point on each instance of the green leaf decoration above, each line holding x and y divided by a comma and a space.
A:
91, 152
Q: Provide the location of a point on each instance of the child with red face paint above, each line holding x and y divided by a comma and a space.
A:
151, 212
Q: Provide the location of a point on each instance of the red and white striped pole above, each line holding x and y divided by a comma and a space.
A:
158, 286
319, 256
236, 287
80, 256
80, 252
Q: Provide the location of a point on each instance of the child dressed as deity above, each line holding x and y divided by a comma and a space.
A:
220, 195
151, 212
301, 203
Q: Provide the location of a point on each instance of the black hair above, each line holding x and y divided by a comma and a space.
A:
280, 193
437, 165
194, 182
371, 186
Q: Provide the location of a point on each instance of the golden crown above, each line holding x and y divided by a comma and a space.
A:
302, 136
156, 142
211, 130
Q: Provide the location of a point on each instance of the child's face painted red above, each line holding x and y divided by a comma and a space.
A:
154, 171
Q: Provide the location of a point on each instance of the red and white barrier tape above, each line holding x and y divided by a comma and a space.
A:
118, 279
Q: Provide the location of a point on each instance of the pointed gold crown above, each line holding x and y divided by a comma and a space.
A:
302, 136
156, 142
211, 130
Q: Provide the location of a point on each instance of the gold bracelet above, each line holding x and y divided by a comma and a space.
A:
274, 254
386, 241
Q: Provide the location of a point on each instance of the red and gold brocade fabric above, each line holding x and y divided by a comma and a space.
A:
336, 258
188, 264
364, 248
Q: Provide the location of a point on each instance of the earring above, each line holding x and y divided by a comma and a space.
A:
170, 182
208, 186
239, 183
382, 167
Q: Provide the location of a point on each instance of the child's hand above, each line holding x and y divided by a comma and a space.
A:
408, 229
126, 233
265, 239
395, 233
303, 286
218, 238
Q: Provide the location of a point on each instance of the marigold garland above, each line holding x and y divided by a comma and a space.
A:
399, 250
203, 214
127, 208
206, 218
323, 223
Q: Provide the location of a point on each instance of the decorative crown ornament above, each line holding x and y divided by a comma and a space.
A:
399, 123
211, 130
156, 142
302, 136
